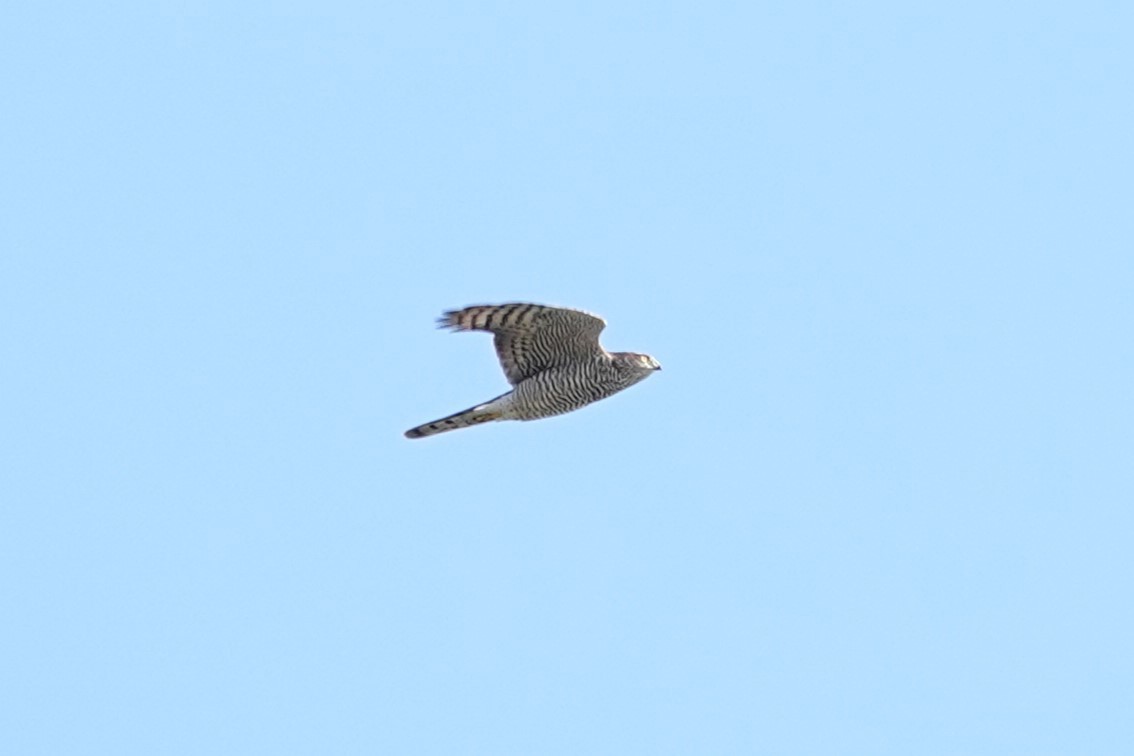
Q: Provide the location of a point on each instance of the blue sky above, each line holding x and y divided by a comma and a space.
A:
878, 502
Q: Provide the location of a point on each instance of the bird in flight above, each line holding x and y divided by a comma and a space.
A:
552, 358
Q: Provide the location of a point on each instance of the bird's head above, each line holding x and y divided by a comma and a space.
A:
639, 364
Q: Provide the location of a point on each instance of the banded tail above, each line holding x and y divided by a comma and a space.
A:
482, 413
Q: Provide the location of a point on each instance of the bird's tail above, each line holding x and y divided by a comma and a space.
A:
482, 413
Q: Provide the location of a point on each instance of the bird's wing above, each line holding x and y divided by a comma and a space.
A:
531, 338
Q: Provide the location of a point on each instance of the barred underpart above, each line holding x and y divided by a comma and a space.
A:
552, 358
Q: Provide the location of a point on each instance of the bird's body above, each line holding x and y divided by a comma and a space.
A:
551, 355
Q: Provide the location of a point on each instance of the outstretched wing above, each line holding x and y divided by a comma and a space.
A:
531, 338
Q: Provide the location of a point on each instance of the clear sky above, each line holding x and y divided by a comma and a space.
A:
878, 501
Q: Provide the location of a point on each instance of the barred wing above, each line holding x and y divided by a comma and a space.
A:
531, 338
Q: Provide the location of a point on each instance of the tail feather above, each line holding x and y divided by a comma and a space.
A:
482, 413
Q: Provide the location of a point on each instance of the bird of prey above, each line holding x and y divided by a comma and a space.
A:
552, 358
